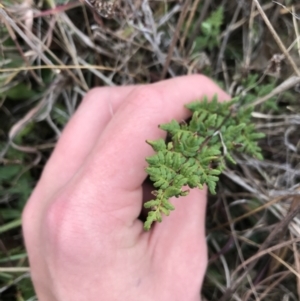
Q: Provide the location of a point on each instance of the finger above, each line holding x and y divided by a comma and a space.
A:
183, 231
118, 159
183, 235
81, 134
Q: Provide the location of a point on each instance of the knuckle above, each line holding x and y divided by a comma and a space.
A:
96, 93
72, 224
199, 77
146, 97
62, 225
91, 94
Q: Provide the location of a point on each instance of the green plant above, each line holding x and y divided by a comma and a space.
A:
255, 89
197, 151
210, 31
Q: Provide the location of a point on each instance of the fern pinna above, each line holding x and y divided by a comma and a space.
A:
197, 151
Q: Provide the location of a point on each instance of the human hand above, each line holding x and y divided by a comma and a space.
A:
81, 226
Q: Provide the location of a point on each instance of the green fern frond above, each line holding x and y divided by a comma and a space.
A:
197, 151
211, 28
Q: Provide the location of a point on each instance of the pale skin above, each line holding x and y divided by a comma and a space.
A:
81, 226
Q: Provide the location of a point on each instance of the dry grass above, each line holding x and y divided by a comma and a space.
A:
50, 56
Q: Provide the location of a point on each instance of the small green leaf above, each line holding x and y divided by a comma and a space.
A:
172, 127
21, 91
167, 204
158, 216
212, 187
151, 203
149, 221
165, 211
157, 145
